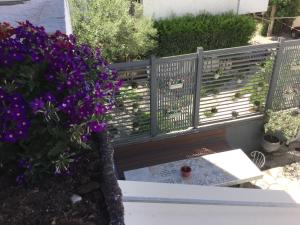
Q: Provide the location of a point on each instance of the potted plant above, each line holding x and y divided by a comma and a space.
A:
256, 106
134, 84
211, 112
218, 74
260, 86
135, 126
270, 143
176, 85
186, 171
237, 96
240, 79
281, 126
174, 114
135, 107
234, 114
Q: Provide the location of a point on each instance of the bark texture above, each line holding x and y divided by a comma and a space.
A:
110, 188
272, 21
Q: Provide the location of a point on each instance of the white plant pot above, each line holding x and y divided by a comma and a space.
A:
175, 86
239, 81
217, 76
270, 146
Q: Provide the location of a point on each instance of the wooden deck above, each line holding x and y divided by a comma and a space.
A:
150, 153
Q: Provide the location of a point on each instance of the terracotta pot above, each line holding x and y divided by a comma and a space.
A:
186, 171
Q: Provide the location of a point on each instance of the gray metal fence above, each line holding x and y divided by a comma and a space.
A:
285, 87
163, 95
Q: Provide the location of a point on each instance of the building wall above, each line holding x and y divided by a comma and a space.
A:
52, 14
246, 135
165, 8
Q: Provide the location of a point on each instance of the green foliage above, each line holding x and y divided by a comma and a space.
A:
141, 122
264, 29
211, 112
126, 95
181, 35
284, 8
258, 85
108, 25
283, 124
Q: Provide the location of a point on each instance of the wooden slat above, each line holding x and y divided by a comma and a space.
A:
171, 149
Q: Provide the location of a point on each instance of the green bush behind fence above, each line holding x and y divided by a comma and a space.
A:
182, 35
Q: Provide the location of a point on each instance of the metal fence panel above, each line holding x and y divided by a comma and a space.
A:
286, 88
131, 115
235, 83
163, 95
175, 79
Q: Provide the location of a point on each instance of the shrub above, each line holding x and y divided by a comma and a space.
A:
53, 95
108, 24
284, 124
181, 35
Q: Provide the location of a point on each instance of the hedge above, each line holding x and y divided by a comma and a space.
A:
182, 35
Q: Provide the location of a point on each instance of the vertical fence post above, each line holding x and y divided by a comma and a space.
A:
275, 74
199, 69
153, 97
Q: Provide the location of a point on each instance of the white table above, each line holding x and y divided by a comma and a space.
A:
219, 169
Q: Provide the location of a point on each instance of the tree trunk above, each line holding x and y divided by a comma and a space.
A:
272, 21
110, 188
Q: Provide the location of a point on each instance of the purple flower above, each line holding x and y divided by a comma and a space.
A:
100, 109
96, 126
49, 97
10, 137
84, 138
75, 79
49, 77
37, 104
20, 179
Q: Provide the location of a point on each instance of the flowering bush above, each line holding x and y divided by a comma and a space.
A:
53, 95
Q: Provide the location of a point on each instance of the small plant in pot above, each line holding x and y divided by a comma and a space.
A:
284, 125
218, 74
134, 85
135, 107
270, 143
211, 112
186, 171
256, 106
234, 114
135, 126
237, 96
240, 79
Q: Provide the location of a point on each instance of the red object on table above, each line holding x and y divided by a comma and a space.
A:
186, 171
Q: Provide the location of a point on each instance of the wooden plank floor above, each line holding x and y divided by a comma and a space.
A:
140, 155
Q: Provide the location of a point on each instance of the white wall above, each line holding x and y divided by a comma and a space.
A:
165, 8
252, 6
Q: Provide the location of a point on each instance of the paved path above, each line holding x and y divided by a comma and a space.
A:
286, 176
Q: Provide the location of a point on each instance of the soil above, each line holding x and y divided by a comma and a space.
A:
271, 139
49, 202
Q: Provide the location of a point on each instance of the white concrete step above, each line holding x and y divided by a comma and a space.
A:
138, 213
177, 204
196, 194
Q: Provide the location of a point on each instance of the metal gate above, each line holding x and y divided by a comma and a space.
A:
285, 85
173, 84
